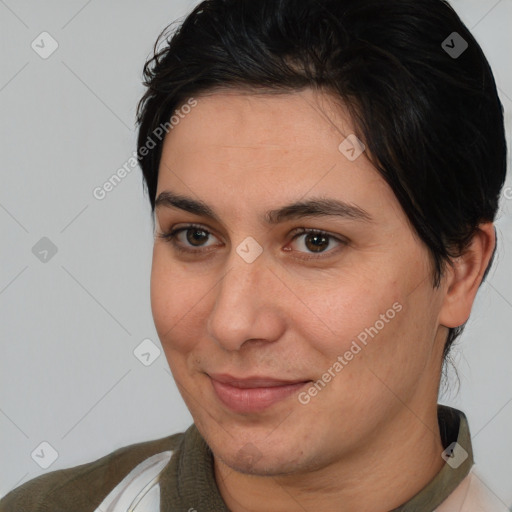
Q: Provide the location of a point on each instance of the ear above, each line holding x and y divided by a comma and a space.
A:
465, 276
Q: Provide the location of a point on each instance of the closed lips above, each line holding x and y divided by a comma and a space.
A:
254, 382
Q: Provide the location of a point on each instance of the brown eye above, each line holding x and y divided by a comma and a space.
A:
196, 236
317, 242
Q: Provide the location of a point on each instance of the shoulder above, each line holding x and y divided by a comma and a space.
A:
472, 495
83, 488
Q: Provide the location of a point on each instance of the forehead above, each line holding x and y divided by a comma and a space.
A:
257, 148
267, 120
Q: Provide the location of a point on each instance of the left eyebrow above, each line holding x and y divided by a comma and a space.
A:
313, 207
317, 207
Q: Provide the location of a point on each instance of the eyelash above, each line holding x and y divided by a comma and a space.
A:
171, 236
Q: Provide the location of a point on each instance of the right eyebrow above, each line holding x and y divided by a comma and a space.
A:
168, 199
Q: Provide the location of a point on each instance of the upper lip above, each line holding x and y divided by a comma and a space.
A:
254, 381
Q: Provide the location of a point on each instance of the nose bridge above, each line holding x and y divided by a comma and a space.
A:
242, 298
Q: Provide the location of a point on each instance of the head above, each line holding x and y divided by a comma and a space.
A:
269, 102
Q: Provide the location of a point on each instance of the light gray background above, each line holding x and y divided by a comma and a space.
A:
69, 326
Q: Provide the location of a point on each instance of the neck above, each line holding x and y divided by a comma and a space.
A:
401, 459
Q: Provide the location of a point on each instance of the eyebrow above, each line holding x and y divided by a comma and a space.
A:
313, 207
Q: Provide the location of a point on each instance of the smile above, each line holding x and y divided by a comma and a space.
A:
253, 395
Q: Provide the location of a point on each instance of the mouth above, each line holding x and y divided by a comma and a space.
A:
253, 394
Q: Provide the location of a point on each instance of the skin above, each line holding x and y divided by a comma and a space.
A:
369, 440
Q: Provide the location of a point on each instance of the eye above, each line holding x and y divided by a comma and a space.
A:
195, 235
316, 242
192, 237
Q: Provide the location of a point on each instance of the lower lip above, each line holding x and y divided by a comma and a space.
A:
249, 400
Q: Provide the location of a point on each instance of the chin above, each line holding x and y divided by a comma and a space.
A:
262, 458
261, 465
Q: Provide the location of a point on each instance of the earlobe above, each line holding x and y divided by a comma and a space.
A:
465, 275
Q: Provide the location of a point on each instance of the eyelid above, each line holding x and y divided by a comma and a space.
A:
171, 234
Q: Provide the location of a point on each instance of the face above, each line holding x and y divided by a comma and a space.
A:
295, 336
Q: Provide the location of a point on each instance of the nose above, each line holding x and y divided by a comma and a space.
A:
248, 305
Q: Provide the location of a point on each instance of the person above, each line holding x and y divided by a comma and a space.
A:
323, 176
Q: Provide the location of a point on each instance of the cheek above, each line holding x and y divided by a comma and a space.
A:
175, 301
355, 310
396, 351
378, 322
